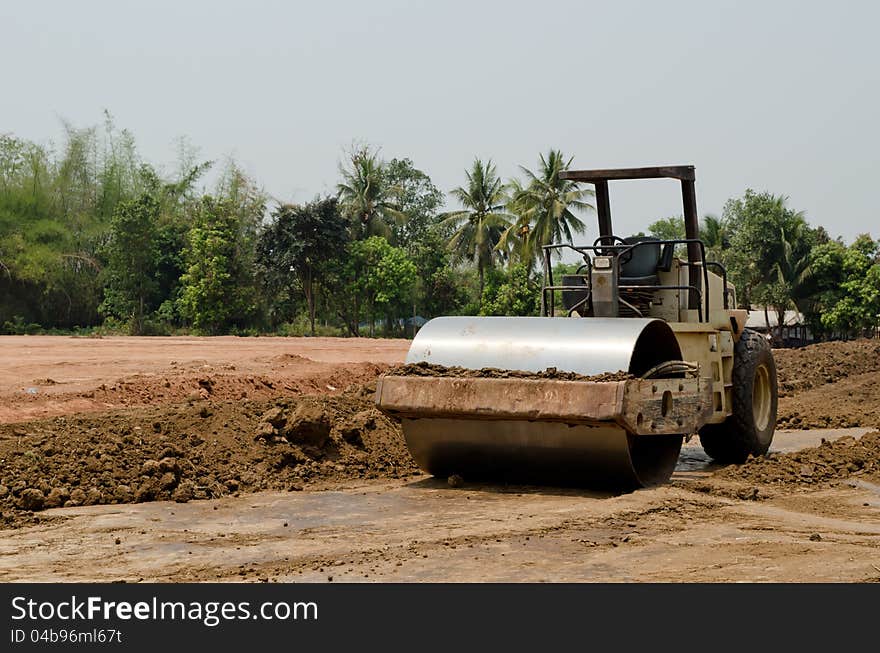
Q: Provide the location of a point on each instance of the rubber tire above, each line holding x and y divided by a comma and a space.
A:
738, 437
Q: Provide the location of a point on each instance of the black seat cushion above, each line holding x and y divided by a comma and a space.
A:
643, 263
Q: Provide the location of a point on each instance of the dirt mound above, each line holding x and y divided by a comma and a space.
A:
221, 384
831, 460
292, 358
217, 382
853, 401
198, 450
429, 369
810, 367
829, 385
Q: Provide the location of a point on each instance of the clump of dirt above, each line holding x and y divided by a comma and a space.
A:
292, 358
731, 489
199, 450
830, 461
430, 369
799, 370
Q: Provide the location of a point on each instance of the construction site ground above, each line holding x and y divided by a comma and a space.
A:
231, 459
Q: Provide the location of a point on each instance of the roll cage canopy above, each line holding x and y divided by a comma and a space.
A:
686, 174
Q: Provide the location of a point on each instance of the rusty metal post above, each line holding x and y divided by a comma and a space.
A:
692, 230
603, 207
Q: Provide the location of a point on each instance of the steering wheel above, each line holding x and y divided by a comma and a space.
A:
624, 256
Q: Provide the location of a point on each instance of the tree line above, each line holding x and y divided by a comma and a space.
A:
94, 237
779, 262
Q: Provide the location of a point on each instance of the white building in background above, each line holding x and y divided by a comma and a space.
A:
794, 328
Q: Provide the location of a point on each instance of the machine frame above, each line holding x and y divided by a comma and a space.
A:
693, 300
646, 356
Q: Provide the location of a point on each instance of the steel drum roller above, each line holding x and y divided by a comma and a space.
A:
536, 450
534, 344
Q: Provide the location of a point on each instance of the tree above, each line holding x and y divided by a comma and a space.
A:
365, 195
424, 235
33, 239
212, 295
786, 283
56, 223
481, 222
132, 257
384, 276
714, 234
416, 199
545, 207
515, 293
768, 259
295, 249
854, 305
826, 263
55, 212
671, 228
442, 290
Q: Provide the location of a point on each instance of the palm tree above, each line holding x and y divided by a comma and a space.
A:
515, 242
713, 233
481, 221
792, 269
365, 196
546, 207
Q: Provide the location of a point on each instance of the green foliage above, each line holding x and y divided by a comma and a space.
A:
671, 228
417, 200
383, 277
851, 285
545, 209
560, 269
56, 215
301, 326
366, 196
826, 262
715, 235
130, 286
54, 212
768, 259
481, 222
441, 288
93, 238
518, 292
295, 250
215, 289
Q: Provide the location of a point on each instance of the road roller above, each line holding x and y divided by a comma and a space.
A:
641, 347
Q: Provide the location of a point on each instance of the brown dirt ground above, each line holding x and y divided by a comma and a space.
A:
198, 450
829, 385
182, 428
43, 376
846, 457
125, 421
799, 370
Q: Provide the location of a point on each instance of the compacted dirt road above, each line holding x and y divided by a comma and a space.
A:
423, 530
263, 459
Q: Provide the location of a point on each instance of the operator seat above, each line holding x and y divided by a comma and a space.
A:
641, 268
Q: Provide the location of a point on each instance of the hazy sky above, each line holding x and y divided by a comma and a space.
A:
782, 96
